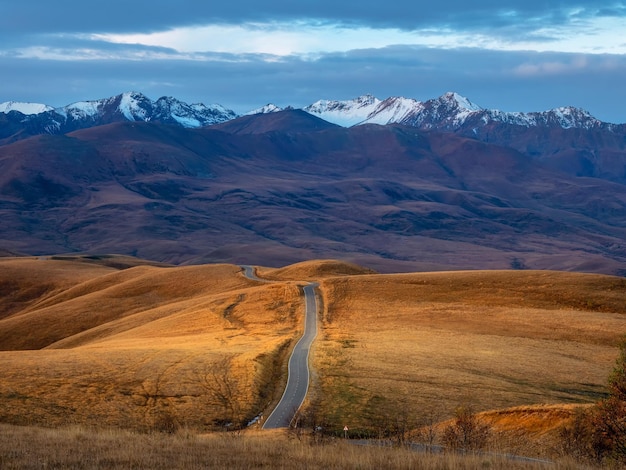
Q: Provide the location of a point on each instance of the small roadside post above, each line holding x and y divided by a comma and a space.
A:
345, 432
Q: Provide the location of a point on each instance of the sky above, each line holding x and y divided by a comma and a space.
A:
512, 55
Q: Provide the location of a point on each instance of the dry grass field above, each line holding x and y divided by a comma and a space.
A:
116, 342
421, 345
142, 347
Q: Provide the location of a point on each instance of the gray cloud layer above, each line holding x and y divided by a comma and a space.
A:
45, 16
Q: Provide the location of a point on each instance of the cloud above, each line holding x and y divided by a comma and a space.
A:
297, 38
283, 27
542, 68
124, 16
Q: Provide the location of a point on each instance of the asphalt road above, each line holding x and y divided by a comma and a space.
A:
298, 377
250, 273
298, 372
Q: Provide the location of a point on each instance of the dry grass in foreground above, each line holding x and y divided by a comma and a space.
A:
34, 448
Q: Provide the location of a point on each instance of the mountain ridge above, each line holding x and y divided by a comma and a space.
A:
365, 109
129, 106
447, 112
569, 139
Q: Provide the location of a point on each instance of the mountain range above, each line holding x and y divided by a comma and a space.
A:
450, 111
19, 120
397, 184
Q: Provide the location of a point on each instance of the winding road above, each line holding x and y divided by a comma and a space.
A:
298, 372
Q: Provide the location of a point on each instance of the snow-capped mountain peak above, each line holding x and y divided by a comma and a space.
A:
129, 106
24, 108
126, 104
268, 108
173, 111
135, 106
368, 109
344, 113
78, 110
454, 100
568, 117
392, 110
449, 112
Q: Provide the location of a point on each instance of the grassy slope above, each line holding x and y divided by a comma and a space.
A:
131, 347
420, 345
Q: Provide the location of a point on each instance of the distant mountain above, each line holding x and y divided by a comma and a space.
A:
345, 113
567, 139
24, 108
275, 120
268, 108
131, 106
450, 111
276, 188
439, 184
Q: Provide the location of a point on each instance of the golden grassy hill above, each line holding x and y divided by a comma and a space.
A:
140, 346
84, 341
314, 270
424, 344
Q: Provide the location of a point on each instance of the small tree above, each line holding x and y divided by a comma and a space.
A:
610, 419
599, 434
467, 432
427, 432
223, 391
578, 437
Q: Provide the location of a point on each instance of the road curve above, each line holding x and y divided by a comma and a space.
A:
250, 273
298, 371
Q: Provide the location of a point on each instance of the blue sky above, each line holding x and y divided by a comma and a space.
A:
514, 55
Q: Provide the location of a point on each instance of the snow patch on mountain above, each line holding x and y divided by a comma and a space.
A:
344, 113
129, 106
368, 109
24, 108
268, 108
79, 110
393, 110
450, 111
133, 106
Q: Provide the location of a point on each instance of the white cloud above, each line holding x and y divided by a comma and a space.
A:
546, 68
271, 38
600, 35
309, 40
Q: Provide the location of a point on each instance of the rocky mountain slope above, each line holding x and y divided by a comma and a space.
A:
19, 120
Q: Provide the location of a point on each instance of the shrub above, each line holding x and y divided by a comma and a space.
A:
599, 434
610, 418
467, 432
